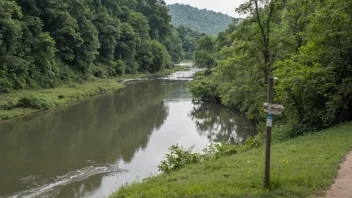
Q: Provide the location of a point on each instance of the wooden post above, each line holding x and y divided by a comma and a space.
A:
268, 134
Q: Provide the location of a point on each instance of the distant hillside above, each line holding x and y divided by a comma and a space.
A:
204, 21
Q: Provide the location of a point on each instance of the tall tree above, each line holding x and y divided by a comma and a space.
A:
263, 12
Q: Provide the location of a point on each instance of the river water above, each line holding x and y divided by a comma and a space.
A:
90, 148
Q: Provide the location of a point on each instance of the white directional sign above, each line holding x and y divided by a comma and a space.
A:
276, 109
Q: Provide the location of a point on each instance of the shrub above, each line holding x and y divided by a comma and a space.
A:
254, 142
10, 105
204, 90
179, 158
32, 102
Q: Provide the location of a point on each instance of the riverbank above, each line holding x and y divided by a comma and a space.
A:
21, 103
302, 167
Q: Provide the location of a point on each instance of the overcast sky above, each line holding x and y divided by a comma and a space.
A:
224, 6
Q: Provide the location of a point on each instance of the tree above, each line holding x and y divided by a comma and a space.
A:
203, 55
140, 24
263, 13
11, 66
126, 49
45, 43
86, 53
306, 44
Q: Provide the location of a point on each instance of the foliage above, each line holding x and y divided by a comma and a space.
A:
203, 89
65, 94
189, 39
32, 102
46, 43
305, 166
8, 106
179, 158
305, 44
204, 21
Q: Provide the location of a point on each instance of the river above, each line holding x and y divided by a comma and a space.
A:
90, 148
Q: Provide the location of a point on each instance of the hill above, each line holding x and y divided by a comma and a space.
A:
204, 21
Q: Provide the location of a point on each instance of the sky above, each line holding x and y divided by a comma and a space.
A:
224, 6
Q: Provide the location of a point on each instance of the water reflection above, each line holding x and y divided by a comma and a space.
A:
220, 124
99, 131
77, 151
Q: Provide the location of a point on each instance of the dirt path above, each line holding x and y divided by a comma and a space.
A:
342, 187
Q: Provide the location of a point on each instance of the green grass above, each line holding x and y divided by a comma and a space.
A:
61, 96
57, 97
310, 167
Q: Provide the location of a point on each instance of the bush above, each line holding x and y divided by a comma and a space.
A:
254, 142
32, 102
10, 105
204, 90
179, 158
215, 151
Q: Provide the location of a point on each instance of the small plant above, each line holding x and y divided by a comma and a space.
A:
101, 90
281, 170
215, 151
10, 105
254, 142
178, 158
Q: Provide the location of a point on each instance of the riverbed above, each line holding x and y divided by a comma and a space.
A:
91, 148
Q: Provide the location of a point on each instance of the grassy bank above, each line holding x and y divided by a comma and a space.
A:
29, 101
301, 167
19, 103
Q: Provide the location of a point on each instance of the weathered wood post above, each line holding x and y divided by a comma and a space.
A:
268, 132
271, 109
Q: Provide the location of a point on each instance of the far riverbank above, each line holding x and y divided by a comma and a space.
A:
25, 102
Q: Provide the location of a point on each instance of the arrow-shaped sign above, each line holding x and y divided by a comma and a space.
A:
276, 109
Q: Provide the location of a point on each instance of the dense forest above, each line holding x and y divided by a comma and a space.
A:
189, 40
44, 43
204, 21
305, 44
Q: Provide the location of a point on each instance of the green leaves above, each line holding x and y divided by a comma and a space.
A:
178, 157
305, 44
46, 42
200, 20
204, 56
10, 26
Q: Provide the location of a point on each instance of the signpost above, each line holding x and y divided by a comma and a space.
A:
275, 109
271, 109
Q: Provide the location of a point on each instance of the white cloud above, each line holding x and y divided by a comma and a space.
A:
224, 6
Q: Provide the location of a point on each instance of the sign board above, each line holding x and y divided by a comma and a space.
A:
269, 120
276, 109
